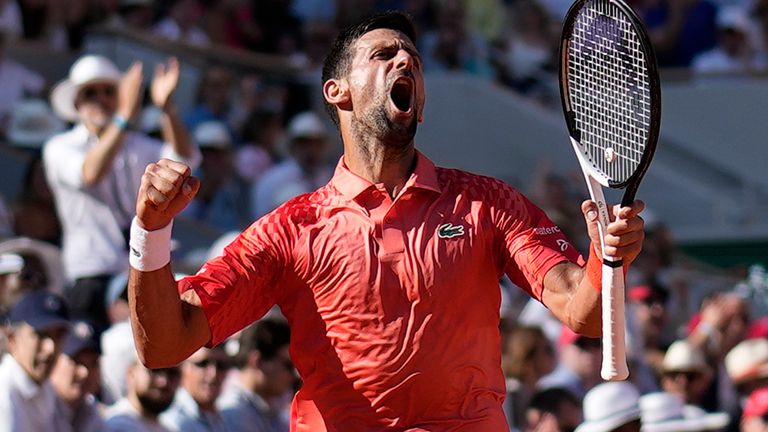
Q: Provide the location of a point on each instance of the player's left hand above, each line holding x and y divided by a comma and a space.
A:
624, 235
164, 83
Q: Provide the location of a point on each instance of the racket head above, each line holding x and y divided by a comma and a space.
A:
610, 92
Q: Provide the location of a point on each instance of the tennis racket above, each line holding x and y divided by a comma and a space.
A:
609, 86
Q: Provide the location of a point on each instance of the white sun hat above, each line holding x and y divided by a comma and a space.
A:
307, 125
86, 70
666, 412
682, 356
212, 135
10, 263
32, 123
748, 360
610, 405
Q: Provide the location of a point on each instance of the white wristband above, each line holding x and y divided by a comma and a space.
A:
149, 250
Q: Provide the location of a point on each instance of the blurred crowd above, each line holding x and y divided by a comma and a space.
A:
697, 340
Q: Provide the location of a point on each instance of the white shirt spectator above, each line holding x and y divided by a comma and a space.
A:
718, 61
184, 415
168, 29
18, 81
94, 218
24, 404
123, 417
283, 182
85, 419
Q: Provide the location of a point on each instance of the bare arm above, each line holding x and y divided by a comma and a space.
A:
163, 85
167, 327
98, 160
568, 291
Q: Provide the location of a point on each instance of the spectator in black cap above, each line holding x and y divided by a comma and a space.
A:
75, 379
35, 330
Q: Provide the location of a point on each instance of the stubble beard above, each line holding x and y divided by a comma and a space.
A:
375, 123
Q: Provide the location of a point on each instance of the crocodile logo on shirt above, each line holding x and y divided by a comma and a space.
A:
448, 230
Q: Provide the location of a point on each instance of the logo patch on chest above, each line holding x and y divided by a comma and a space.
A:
446, 231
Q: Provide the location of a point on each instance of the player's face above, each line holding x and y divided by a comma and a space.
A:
386, 86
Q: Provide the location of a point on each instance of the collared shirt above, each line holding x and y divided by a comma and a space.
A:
123, 417
86, 418
393, 303
244, 410
93, 218
184, 415
25, 406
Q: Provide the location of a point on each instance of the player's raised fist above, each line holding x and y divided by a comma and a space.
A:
166, 189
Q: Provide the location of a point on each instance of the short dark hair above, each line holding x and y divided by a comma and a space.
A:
338, 60
266, 336
551, 400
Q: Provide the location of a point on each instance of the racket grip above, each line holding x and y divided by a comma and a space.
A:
614, 366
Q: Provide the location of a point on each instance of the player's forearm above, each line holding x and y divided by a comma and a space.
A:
569, 295
175, 133
167, 329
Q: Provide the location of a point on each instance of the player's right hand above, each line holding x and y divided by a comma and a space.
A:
166, 188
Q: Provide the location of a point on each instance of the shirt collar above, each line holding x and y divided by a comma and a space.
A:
27, 387
351, 185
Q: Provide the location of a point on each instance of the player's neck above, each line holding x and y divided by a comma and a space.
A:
381, 164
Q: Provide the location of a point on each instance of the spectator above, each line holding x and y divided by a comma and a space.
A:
75, 379
755, 417
611, 407
734, 52
304, 171
150, 392
36, 328
666, 412
219, 202
553, 410
213, 98
261, 134
18, 82
254, 402
452, 47
648, 304
685, 373
679, 29
10, 278
528, 356
194, 406
94, 169
579, 367
43, 269
181, 24
747, 365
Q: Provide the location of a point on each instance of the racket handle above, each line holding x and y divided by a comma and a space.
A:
614, 349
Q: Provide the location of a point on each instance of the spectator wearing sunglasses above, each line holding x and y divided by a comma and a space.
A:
685, 373
193, 408
94, 169
266, 380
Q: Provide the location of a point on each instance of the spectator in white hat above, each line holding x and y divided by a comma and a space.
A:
684, 372
304, 171
10, 277
220, 201
747, 365
735, 52
666, 412
611, 407
95, 169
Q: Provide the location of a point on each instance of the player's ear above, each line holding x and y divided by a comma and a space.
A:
336, 92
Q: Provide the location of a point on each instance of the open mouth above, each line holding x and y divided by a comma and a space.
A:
402, 94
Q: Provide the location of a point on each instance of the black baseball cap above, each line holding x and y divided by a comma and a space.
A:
41, 310
81, 336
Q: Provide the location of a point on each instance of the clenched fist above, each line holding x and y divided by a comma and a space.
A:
166, 188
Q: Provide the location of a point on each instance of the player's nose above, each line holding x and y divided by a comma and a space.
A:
404, 60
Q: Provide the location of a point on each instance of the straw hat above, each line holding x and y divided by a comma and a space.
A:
89, 69
32, 123
666, 412
610, 405
681, 356
747, 361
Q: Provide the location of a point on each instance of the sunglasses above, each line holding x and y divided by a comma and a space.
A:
218, 364
94, 91
688, 375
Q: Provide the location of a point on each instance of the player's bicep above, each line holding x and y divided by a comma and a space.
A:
195, 319
559, 288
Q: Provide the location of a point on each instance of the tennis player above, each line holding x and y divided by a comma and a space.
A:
388, 275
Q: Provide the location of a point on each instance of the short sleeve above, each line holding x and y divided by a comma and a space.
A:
531, 243
244, 282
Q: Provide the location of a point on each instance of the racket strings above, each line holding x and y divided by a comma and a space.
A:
609, 89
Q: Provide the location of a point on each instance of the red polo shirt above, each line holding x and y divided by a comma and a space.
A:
393, 304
